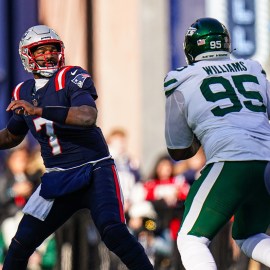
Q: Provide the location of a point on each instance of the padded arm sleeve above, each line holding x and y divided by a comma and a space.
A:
178, 134
82, 98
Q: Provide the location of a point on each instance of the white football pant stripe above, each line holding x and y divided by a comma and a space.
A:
200, 198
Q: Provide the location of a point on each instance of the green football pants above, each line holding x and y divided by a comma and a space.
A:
224, 190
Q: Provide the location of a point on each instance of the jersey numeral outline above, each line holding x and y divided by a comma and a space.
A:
231, 93
53, 140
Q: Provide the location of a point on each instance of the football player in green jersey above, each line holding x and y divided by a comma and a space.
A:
221, 104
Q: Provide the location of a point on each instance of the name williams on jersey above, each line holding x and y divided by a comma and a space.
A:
232, 67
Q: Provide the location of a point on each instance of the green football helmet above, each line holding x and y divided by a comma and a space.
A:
206, 38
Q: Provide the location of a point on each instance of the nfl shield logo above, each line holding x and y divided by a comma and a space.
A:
35, 102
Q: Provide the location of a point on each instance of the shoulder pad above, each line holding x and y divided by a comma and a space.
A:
78, 76
170, 83
16, 91
60, 77
181, 68
259, 66
21, 88
75, 70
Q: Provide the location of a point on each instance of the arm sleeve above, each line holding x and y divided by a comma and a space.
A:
82, 98
17, 125
178, 134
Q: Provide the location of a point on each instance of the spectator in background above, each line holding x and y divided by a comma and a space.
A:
17, 184
167, 193
164, 185
118, 144
43, 258
143, 224
35, 166
127, 166
191, 167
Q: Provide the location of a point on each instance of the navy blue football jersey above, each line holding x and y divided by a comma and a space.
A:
63, 146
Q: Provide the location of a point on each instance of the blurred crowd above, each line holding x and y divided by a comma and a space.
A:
154, 206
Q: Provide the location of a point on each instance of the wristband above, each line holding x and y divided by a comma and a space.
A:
56, 114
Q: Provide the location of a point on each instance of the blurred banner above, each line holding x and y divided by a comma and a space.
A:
248, 23
4, 63
15, 18
182, 13
241, 24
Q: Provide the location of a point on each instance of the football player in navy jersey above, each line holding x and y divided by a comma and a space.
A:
58, 107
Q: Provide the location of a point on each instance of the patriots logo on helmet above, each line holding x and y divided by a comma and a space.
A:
80, 78
25, 34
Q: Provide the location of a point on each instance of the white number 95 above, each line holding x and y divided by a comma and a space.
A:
215, 44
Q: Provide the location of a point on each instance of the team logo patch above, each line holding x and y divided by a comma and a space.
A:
191, 31
80, 78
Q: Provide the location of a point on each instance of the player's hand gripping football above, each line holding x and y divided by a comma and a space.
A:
24, 107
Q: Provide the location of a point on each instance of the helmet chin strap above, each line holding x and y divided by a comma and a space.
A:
47, 73
190, 59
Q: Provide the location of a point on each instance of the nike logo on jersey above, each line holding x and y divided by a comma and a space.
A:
74, 72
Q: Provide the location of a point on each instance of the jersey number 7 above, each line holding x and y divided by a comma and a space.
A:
53, 140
